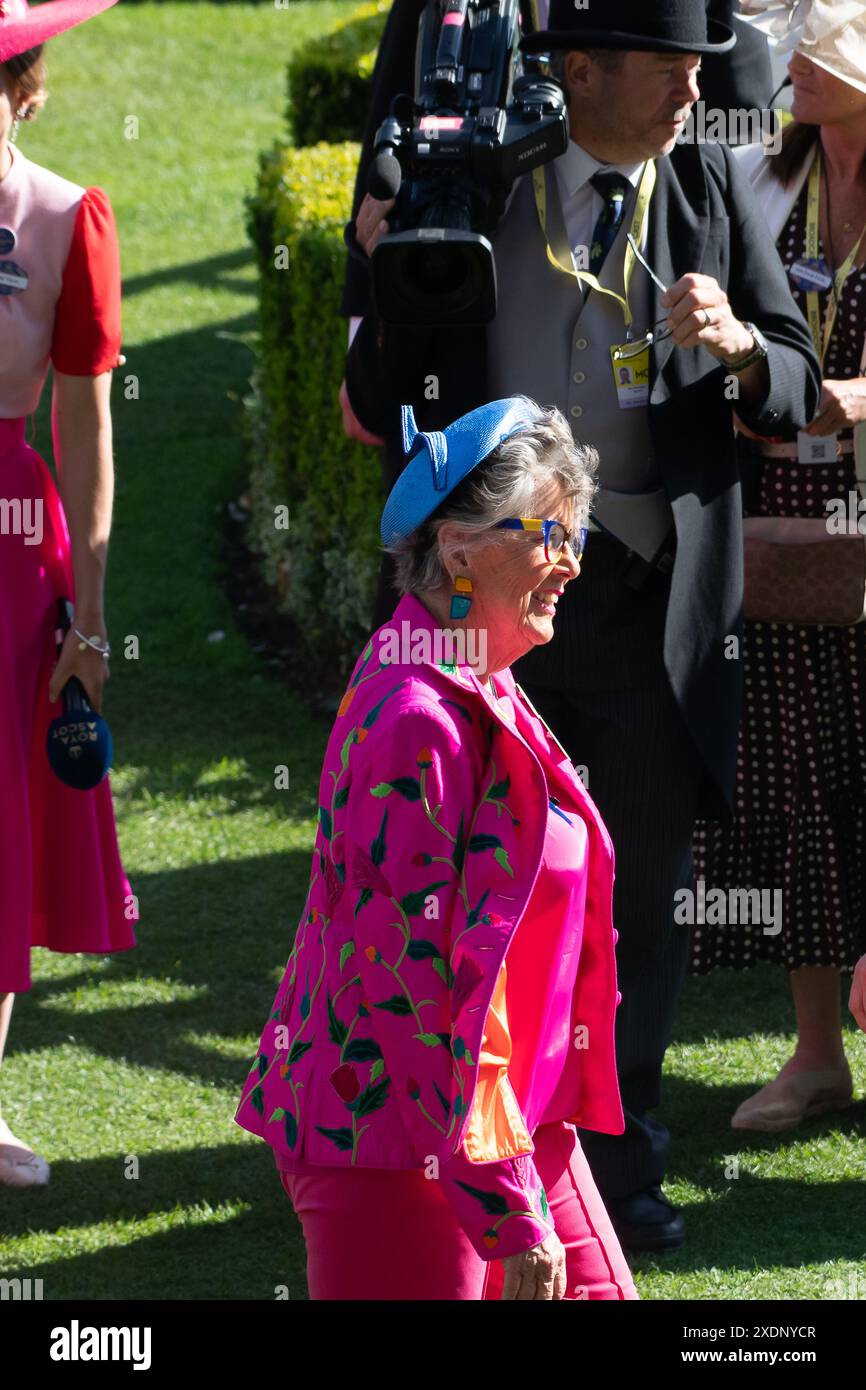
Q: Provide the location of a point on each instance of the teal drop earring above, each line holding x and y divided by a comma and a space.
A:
461, 601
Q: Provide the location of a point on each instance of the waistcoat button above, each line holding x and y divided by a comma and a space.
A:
581, 343
577, 411
580, 376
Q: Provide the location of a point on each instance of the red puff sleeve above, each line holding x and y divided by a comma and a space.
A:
87, 330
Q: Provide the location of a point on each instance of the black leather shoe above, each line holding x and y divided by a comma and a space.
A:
647, 1221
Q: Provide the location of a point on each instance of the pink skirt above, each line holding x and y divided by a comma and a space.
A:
63, 882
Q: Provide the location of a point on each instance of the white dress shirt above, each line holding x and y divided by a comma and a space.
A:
581, 203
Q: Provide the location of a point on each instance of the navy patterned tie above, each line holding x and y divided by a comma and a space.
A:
613, 188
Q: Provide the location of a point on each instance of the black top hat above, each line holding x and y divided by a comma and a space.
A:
653, 26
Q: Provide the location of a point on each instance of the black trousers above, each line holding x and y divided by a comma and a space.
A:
602, 687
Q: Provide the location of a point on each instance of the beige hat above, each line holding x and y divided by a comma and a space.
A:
830, 32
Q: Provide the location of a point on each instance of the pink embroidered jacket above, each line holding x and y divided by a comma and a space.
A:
431, 823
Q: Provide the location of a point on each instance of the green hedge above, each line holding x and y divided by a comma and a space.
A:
329, 78
325, 567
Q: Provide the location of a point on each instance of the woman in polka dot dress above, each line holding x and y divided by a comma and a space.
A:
800, 823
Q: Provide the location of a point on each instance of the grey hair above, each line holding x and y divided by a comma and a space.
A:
504, 484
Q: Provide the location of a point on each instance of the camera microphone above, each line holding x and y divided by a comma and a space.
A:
384, 177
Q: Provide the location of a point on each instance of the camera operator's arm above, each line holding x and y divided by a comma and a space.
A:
393, 72
370, 227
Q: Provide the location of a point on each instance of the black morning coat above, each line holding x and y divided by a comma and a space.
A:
703, 218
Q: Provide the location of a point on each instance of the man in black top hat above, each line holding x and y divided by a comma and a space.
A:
738, 77
641, 682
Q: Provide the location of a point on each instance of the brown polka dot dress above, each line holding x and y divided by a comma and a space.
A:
800, 823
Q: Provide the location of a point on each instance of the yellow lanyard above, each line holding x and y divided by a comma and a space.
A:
813, 303
583, 277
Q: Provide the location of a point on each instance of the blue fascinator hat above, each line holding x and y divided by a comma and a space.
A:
440, 459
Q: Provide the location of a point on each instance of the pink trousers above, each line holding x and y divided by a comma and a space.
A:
390, 1235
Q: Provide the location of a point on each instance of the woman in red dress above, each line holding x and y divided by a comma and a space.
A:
63, 882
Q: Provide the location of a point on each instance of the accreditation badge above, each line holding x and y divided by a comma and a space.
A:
631, 372
816, 448
13, 279
811, 274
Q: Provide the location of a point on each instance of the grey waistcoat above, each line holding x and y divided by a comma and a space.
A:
547, 343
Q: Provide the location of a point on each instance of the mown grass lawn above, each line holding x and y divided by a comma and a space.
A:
125, 1071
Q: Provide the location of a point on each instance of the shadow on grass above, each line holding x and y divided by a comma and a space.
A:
758, 1223
244, 1254
223, 929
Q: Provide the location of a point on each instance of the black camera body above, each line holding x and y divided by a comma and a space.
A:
478, 121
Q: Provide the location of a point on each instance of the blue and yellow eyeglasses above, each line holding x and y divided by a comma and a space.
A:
556, 535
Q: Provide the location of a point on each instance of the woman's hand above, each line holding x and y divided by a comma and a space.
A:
370, 224
857, 997
352, 427
90, 668
843, 404
537, 1274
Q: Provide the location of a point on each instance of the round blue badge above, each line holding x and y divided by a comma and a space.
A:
13, 278
7, 240
811, 274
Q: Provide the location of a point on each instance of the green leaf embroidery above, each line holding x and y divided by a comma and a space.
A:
480, 842
408, 787
377, 1069
363, 898
414, 902
421, 950
499, 790
345, 952
344, 753
493, 1202
377, 848
461, 709
341, 1137
443, 1100
299, 1047
429, 1039
325, 821
362, 1050
459, 848
341, 798
472, 917
277, 1115
337, 1030
441, 968
397, 1004
373, 1097
364, 659
373, 714
501, 857
291, 1129
257, 1099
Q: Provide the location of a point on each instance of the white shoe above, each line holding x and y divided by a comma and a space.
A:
21, 1167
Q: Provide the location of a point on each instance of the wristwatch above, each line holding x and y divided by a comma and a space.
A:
757, 354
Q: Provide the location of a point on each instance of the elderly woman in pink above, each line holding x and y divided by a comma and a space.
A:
446, 1016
